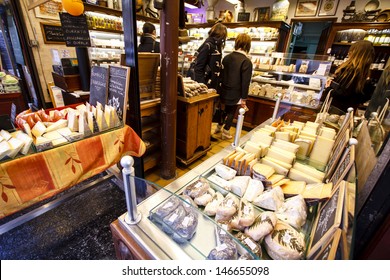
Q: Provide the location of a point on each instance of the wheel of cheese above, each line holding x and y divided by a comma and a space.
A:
284, 243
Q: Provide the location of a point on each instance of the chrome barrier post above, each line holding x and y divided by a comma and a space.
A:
240, 122
276, 109
132, 216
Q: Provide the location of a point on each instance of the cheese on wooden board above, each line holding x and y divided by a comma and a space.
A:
278, 168
304, 147
27, 140
293, 187
322, 149
5, 134
263, 169
252, 147
283, 136
16, 146
282, 156
297, 175
5, 148
38, 129
57, 125
73, 122
281, 144
309, 170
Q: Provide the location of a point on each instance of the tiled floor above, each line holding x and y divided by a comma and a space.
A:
153, 175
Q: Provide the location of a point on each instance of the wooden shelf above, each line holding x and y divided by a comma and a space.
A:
105, 30
244, 24
113, 12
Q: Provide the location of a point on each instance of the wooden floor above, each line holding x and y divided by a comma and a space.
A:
153, 175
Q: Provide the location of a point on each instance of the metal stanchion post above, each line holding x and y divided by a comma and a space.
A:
276, 109
132, 216
240, 122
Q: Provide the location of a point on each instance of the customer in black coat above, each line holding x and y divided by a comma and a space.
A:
148, 39
208, 60
236, 77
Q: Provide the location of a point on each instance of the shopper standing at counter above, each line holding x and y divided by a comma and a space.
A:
236, 77
208, 61
381, 93
148, 39
351, 85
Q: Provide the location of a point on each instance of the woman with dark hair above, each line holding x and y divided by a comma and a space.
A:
148, 39
208, 61
351, 85
236, 77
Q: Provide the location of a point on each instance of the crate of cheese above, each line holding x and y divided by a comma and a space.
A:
60, 126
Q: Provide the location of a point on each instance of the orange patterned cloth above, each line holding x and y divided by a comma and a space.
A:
27, 180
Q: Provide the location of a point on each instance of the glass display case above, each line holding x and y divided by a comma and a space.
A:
160, 233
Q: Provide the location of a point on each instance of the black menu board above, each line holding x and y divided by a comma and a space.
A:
52, 33
98, 85
118, 84
75, 30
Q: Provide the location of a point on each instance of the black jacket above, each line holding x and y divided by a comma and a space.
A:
236, 77
148, 44
208, 63
345, 97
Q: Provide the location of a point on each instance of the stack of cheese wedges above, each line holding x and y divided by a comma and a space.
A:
13, 143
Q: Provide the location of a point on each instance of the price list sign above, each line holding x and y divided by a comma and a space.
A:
75, 30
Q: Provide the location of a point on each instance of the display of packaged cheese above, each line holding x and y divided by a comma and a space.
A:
293, 211
262, 226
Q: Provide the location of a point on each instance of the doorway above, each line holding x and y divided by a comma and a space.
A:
308, 36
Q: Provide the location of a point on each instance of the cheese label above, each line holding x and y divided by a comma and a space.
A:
186, 221
221, 247
250, 243
173, 217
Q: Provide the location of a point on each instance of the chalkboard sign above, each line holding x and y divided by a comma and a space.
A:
328, 251
98, 85
337, 152
52, 33
328, 220
75, 30
118, 84
344, 165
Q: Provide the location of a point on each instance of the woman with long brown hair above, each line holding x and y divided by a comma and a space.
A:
351, 85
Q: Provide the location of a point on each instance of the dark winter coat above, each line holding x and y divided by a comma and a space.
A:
149, 44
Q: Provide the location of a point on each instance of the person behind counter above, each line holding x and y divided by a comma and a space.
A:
236, 77
351, 85
148, 39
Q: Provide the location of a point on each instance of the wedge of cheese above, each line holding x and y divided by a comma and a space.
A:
283, 135
328, 132
81, 108
1, 138
225, 172
225, 160
304, 147
263, 169
115, 119
99, 106
322, 149
5, 148
73, 121
249, 167
282, 156
275, 178
38, 129
253, 148
239, 184
101, 121
287, 146
261, 137
317, 191
293, 187
16, 146
57, 125
309, 170
308, 133
281, 182
278, 168
297, 175
236, 160
27, 129
55, 137
270, 127
246, 160
107, 116
266, 131
27, 140
83, 125
298, 124
281, 163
